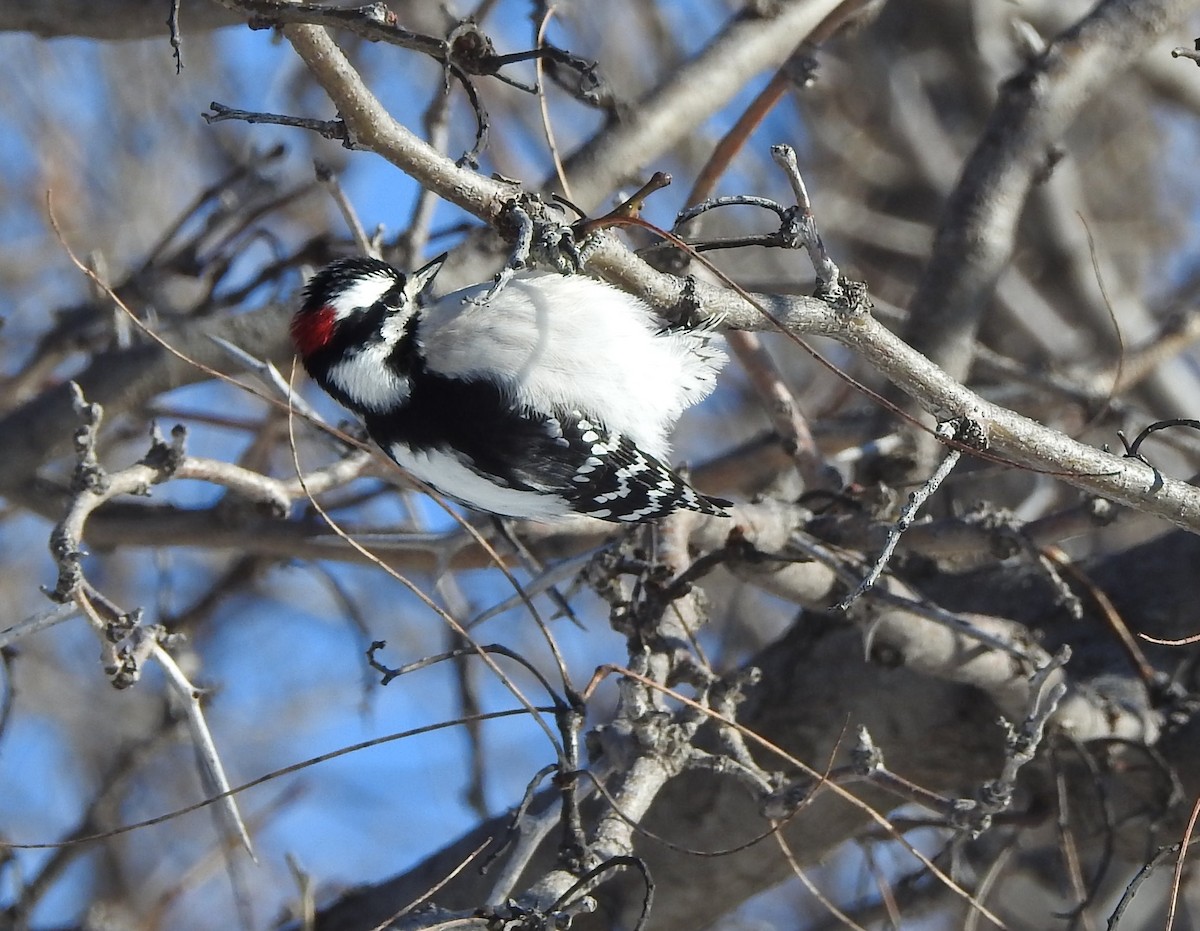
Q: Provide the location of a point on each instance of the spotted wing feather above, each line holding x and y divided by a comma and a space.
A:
614, 480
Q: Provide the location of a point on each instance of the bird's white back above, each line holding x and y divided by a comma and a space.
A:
539, 336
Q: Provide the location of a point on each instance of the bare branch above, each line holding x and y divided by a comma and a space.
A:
976, 236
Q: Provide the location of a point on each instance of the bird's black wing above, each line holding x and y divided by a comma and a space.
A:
596, 471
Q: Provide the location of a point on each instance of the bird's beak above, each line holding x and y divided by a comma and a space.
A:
420, 279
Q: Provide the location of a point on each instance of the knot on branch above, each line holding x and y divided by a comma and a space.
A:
786, 800
848, 297
966, 431
727, 693
89, 475
866, 758
67, 555
688, 311
995, 796
125, 666
1020, 743
970, 817
471, 48
539, 237
123, 625
639, 733
165, 457
513, 916
125, 672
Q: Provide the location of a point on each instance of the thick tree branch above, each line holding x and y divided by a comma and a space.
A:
688, 96
1009, 433
113, 19
976, 236
371, 126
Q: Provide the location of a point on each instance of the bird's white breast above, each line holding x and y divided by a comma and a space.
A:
452, 478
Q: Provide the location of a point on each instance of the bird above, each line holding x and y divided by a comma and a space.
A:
548, 398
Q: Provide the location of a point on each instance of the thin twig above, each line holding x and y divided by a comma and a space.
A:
827, 272
330, 182
214, 779
433, 890
544, 104
327, 129
176, 35
1177, 875
270, 777
908, 513
36, 622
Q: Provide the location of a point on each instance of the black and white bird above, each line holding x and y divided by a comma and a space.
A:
551, 398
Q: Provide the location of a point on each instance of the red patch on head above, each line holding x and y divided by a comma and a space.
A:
313, 329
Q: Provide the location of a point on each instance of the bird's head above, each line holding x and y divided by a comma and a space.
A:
357, 302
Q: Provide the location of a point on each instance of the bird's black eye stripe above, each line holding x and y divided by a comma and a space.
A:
393, 298
366, 325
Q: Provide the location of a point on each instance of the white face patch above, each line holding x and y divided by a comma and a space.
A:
394, 327
361, 293
366, 378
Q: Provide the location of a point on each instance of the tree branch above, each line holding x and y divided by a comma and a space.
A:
976, 236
